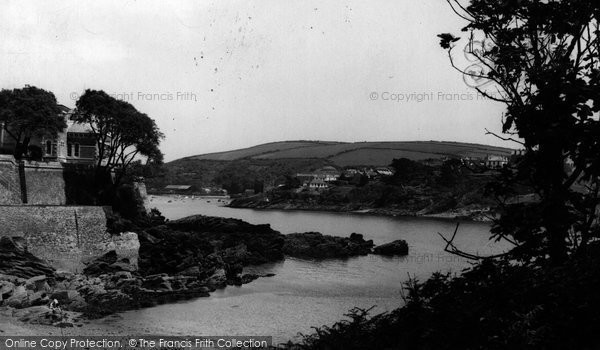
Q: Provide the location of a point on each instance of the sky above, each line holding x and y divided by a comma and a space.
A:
227, 74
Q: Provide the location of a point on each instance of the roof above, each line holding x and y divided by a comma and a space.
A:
73, 126
80, 128
178, 187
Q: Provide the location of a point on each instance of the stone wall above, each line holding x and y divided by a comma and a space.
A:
65, 236
45, 183
10, 190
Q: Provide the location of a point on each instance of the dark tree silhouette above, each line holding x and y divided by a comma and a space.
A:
122, 132
541, 58
29, 112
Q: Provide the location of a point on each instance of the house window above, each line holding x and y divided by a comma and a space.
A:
76, 150
69, 150
48, 147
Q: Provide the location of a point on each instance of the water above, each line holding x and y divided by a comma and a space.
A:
306, 293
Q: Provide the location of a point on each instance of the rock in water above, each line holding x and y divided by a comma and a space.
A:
200, 245
398, 247
263, 244
318, 246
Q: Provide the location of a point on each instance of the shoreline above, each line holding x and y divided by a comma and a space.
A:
465, 215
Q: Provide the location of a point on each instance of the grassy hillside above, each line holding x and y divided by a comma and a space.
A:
357, 153
256, 151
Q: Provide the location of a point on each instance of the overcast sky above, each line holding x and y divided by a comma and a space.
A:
220, 75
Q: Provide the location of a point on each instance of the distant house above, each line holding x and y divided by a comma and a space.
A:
325, 174
328, 174
495, 162
317, 184
384, 171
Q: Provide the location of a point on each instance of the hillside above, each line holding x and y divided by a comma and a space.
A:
357, 153
272, 162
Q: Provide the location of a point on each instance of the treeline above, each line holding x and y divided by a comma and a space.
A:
413, 187
235, 176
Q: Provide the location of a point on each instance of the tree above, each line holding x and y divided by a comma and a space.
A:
122, 132
292, 182
408, 172
29, 112
450, 173
541, 59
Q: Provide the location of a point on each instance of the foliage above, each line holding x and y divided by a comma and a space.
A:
409, 172
29, 112
122, 132
541, 59
409, 196
82, 184
35, 152
235, 175
450, 172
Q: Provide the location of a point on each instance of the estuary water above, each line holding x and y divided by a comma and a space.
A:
306, 293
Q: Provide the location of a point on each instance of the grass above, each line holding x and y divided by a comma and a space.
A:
358, 153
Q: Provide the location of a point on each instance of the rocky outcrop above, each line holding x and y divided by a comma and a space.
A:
16, 261
398, 247
263, 244
20, 293
108, 263
110, 285
318, 246
163, 250
201, 246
